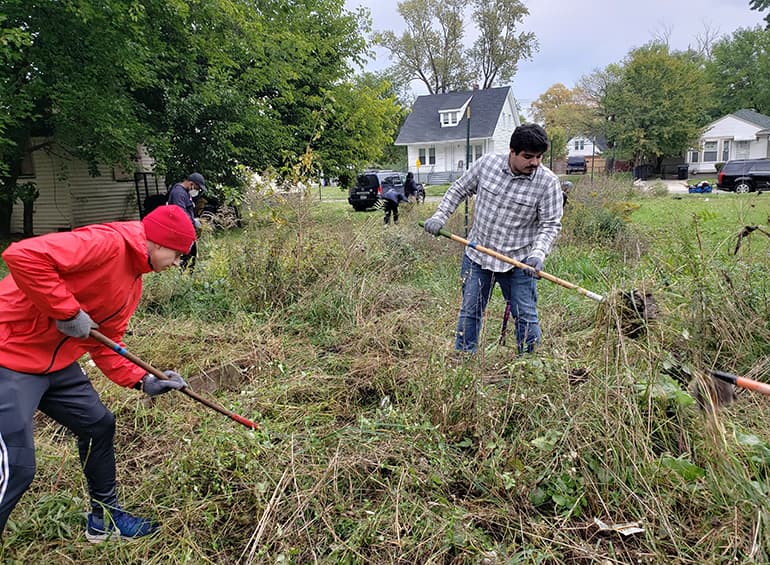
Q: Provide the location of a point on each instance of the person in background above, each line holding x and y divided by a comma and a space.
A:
182, 194
566, 188
519, 205
392, 198
410, 187
59, 287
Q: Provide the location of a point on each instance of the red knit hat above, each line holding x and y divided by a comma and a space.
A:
170, 227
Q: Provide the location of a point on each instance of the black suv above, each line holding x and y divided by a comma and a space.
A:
371, 185
577, 165
744, 175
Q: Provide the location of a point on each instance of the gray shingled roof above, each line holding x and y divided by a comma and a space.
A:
754, 117
423, 124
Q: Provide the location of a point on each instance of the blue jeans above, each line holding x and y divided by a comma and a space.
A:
518, 288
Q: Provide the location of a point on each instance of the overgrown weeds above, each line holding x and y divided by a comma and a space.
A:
379, 446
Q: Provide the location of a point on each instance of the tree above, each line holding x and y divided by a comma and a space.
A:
565, 108
205, 85
360, 118
761, 6
430, 50
498, 50
739, 71
656, 102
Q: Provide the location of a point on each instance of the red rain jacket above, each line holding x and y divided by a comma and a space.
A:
97, 268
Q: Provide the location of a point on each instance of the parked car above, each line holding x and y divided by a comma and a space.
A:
576, 165
371, 185
744, 175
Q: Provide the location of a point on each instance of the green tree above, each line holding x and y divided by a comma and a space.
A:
569, 109
656, 103
205, 85
360, 119
739, 71
761, 6
430, 50
498, 50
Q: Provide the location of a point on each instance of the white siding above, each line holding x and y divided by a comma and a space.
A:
70, 197
507, 121
588, 148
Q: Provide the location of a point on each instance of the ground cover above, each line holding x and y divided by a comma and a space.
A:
377, 446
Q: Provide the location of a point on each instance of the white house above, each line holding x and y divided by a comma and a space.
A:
740, 135
437, 135
584, 146
70, 197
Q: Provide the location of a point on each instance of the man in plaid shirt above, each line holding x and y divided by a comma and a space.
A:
517, 213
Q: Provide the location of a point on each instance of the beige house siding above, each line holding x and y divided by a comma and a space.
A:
70, 197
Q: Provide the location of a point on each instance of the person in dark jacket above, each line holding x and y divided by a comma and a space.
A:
182, 194
391, 199
59, 287
410, 187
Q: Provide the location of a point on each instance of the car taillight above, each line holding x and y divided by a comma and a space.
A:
720, 177
379, 190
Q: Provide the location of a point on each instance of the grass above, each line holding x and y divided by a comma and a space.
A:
377, 446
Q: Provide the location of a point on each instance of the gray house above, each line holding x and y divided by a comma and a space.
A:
437, 136
740, 135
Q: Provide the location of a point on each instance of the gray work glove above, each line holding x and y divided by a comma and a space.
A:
197, 223
432, 225
153, 386
536, 263
78, 326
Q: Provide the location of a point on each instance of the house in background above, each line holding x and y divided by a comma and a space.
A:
584, 146
69, 197
436, 130
740, 135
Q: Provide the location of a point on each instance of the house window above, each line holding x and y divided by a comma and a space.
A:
477, 152
422, 156
709, 151
579, 144
431, 155
742, 150
450, 118
726, 150
694, 154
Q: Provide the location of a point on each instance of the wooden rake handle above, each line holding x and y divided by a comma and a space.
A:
103, 339
520, 265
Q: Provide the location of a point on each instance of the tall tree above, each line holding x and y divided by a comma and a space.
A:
430, 50
761, 6
739, 71
658, 103
498, 50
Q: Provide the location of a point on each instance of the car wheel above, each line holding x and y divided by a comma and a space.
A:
742, 187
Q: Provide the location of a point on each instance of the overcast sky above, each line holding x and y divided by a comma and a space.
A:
578, 37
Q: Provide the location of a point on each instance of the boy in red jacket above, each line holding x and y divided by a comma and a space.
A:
60, 286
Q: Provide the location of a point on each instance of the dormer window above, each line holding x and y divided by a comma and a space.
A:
450, 117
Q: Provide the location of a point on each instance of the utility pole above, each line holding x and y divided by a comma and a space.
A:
467, 157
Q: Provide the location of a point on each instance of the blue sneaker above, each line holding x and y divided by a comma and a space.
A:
118, 524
